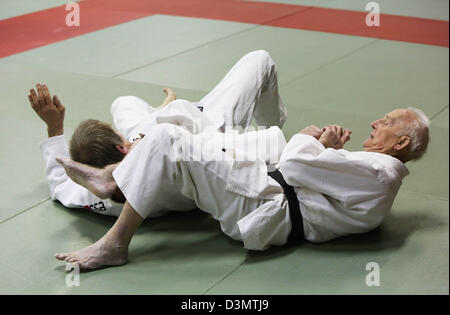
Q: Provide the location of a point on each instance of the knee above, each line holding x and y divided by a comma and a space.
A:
261, 59
261, 56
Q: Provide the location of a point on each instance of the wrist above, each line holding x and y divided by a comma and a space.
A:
53, 132
324, 143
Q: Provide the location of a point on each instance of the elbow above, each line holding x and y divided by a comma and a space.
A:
290, 171
58, 192
54, 193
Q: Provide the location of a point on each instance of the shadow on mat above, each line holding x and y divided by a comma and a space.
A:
392, 234
172, 236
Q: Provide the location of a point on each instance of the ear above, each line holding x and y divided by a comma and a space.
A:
402, 143
122, 149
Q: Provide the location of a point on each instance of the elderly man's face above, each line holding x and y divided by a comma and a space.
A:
386, 132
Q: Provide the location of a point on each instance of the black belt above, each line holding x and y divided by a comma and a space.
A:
294, 208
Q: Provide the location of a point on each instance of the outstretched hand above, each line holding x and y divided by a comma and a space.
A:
49, 109
334, 136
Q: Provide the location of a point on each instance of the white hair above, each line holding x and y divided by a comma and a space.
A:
418, 131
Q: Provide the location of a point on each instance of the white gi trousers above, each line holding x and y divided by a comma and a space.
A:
154, 170
249, 89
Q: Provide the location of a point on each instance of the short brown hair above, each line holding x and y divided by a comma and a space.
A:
94, 143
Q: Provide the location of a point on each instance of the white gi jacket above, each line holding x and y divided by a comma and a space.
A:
249, 90
340, 192
131, 116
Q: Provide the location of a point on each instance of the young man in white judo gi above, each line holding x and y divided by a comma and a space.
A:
249, 89
338, 192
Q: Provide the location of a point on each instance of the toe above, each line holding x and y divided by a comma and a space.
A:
60, 160
72, 259
61, 256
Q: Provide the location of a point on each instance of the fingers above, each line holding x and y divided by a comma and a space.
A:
47, 97
317, 132
312, 131
334, 136
30, 99
327, 129
337, 130
36, 105
346, 136
58, 104
40, 95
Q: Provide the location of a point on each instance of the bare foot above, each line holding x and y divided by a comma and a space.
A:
103, 253
98, 181
170, 94
169, 98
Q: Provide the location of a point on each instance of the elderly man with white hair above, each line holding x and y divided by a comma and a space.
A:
318, 192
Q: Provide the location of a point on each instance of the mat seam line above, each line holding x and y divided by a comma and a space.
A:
439, 112
213, 41
327, 64
25, 210
228, 274
181, 53
426, 194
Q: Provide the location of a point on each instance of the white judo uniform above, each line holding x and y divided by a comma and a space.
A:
339, 192
249, 90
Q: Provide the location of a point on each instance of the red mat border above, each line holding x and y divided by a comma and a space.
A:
45, 27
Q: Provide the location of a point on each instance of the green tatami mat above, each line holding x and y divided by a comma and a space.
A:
183, 253
118, 49
11, 8
378, 78
324, 79
199, 68
401, 247
22, 173
366, 85
187, 254
429, 9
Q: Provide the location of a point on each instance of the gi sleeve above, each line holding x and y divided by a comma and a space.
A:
63, 189
345, 176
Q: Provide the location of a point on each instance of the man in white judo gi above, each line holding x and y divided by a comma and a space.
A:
249, 90
338, 192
